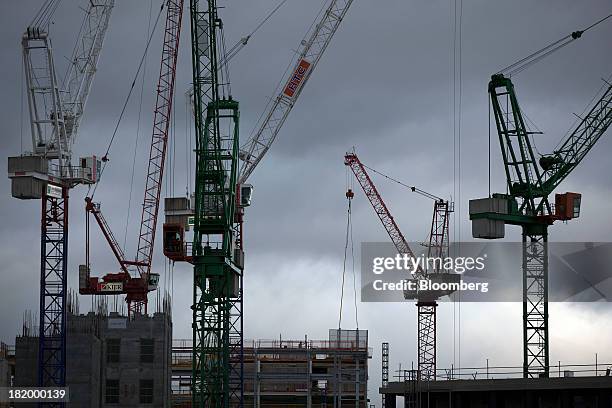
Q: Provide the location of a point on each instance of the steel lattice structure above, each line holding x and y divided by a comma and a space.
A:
426, 303
53, 282
310, 54
84, 60
217, 379
55, 114
530, 183
384, 369
157, 155
383, 213
137, 287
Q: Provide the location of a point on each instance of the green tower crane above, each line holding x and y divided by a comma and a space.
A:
531, 181
217, 293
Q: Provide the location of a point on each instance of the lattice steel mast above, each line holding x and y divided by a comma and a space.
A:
217, 297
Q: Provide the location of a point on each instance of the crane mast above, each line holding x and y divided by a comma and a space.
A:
47, 172
137, 287
310, 54
437, 247
217, 365
217, 310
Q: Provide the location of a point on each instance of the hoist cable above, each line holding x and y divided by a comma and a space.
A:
45, 13
414, 189
127, 99
270, 14
346, 245
144, 74
354, 275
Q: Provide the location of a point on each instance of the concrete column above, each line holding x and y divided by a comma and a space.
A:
357, 382
256, 387
308, 379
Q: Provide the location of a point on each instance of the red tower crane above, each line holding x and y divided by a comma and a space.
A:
436, 247
137, 287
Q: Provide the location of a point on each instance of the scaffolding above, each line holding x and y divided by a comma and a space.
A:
284, 373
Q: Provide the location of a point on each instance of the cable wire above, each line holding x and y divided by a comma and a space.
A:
144, 74
127, 99
346, 245
533, 58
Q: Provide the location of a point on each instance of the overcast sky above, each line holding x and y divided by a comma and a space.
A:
385, 87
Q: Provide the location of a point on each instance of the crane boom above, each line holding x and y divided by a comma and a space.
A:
47, 173
310, 54
137, 287
83, 63
529, 179
437, 247
398, 239
578, 143
55, 112
159, 139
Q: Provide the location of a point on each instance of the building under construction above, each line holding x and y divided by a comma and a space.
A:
114, 361
131, 359
292, 373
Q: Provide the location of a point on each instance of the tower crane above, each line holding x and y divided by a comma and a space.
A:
436, 247
530, 182
217, 309
47, 172
217, 365
137, 287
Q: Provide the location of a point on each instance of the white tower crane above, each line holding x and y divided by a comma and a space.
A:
47, 172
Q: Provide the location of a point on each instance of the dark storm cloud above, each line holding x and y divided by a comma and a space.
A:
384, 86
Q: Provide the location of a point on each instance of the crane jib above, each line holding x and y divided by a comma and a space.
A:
297, 78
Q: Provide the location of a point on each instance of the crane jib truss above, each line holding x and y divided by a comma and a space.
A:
310, 54
530, 183
137, 287
438, 246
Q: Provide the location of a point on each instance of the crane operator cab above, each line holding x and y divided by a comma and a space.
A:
567, 206
245, 192
174, 241
153, 281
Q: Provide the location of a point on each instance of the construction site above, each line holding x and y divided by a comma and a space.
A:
180, 276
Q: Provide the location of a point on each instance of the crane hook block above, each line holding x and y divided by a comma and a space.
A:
350, 194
